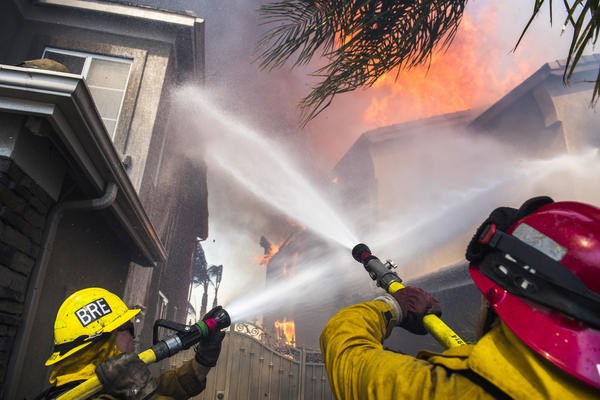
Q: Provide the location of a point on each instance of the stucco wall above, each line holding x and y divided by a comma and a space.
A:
10, 20
581, 132
84, 254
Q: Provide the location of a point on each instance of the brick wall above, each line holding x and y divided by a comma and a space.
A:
23, 210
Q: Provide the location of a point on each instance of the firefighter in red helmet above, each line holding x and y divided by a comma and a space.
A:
538, 269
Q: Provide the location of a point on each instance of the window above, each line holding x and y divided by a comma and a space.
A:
162, 305
106, 77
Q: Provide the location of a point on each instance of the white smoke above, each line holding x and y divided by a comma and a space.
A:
267, 101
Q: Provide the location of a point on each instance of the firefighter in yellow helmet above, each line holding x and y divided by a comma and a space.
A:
538, 270
93, 334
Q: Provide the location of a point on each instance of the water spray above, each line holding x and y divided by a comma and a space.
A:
265, 170
387, 279
186, 337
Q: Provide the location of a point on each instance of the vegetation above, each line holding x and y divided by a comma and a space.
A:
363, 39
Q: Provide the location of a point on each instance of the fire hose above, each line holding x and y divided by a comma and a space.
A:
391, 282
186, 337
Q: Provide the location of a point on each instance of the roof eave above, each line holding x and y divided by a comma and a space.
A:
144, 13
66, 103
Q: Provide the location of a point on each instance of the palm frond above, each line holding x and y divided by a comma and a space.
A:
584, 17
363, 39
297, 28
360, 39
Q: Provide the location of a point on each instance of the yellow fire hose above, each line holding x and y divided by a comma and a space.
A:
391, 282
434, 325
167, 347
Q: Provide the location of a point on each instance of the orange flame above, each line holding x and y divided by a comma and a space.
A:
455, 80
265, 258
286, 330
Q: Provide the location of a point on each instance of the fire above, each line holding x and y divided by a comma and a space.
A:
455, 80
270, 250
286, 330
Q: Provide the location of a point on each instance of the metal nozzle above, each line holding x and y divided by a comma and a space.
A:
378, 271
223, 319
361, 253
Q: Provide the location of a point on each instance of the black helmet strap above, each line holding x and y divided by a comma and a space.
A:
527, 272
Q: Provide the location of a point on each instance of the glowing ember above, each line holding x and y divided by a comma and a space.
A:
286, 330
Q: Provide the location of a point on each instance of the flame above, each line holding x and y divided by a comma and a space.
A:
286, 330
455, 80
269, 253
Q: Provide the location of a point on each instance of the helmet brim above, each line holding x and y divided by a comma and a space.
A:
57, 356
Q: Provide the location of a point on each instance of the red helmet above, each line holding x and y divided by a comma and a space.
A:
542, 277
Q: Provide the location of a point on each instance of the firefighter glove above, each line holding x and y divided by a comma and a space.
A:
209, 348
411, 305
125, 376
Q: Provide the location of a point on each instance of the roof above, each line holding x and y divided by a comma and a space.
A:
586, 71
130, 4
398, 132
127, 9
454, 119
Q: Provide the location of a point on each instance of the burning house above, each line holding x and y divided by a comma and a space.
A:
389, 173
90, 193
386, 168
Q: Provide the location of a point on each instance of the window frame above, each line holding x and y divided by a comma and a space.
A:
139, 57
162, 305
89, 57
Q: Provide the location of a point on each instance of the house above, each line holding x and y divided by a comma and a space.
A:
93, 191
398, 185
388, 171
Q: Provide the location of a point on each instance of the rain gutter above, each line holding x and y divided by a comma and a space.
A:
133, 11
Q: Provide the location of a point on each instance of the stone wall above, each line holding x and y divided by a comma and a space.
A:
23, 210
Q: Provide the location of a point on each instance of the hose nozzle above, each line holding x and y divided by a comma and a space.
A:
361, 253
223, 319
378, 271
218, 320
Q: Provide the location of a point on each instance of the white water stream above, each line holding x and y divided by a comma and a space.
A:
266, 171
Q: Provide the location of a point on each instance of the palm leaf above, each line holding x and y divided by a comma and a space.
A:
584, 18
360, 40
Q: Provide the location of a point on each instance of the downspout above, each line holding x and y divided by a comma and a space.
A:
39, 274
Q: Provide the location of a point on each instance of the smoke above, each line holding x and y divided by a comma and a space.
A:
440, 186
478, 68
454, 190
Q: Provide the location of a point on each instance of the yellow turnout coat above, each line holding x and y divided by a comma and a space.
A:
498, 365
175, 384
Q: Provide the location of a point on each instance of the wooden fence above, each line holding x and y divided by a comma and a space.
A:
254, 366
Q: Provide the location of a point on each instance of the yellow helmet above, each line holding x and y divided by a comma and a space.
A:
85, 317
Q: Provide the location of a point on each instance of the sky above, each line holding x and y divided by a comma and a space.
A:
478, 69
